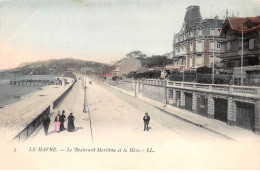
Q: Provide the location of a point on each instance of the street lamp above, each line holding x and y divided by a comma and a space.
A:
183, 75
85, 94
135, 89
213, 64
85, 99
85, 105
242, 56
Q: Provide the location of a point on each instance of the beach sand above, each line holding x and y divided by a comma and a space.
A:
16, 116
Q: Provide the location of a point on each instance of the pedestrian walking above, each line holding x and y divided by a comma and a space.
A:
46, 122
57, 122
71, 125
146, 121
62, 119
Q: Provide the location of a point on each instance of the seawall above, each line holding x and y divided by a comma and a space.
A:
20, 119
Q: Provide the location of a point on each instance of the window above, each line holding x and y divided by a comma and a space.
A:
228, 46
211, 45
218, 45
234, 45
200, 32
212, 31
211, 60
199, 61
246, 44
202, 101
191, 33
200, 46
223, 47
251, 44
178, 95
170, 94
191, 62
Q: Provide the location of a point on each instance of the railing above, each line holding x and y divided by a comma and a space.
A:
188, 85
58, 100
219, 79
32, 82
220, 88
227, 89
26, 132
244, 90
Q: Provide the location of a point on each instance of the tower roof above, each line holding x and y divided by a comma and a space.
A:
192, 16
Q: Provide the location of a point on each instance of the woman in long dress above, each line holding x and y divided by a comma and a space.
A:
71, 125
57, 122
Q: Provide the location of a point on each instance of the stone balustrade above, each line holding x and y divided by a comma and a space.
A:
235, 105
225, 89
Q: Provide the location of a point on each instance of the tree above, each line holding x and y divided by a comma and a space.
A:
136, 54
204, 70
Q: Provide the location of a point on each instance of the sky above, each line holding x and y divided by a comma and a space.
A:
98, 30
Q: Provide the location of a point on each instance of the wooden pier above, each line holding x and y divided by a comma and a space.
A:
30, 82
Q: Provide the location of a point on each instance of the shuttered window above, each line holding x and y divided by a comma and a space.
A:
228, 46
251, 44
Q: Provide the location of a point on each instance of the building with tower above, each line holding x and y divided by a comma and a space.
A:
198, 42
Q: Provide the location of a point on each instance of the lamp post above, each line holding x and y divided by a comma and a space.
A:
85, 93
183, 74
85, 99
242, 56
213, 64
135, 89
85, 105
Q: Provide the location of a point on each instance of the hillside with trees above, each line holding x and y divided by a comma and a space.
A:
58, 66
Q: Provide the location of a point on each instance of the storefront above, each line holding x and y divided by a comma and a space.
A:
188, 101
221, 109
245, 115
178, 98
202, 105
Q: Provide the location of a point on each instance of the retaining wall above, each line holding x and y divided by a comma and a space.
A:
29, 129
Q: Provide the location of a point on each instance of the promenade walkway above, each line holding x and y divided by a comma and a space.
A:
117, 124
231, 132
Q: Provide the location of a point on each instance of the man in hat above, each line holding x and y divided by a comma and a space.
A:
62, 119
46, 122
146, 121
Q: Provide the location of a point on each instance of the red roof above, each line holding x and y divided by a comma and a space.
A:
246, 24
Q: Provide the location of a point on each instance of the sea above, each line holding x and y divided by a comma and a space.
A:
13, 93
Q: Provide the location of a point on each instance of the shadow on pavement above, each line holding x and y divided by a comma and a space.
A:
78, 128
